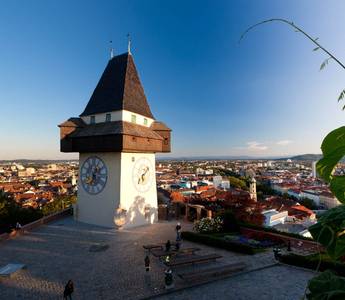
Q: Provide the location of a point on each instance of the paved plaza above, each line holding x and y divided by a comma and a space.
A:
109, 264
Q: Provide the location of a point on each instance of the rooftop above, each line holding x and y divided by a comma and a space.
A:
119, 88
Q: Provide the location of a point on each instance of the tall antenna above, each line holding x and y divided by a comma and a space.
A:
111, 49
129, 43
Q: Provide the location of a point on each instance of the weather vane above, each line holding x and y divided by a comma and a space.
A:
129, 43
111, 49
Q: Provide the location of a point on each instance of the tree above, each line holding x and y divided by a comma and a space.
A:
244, 209
11, 213
265, 189
229, 220
308, 203
58, 204
176, 197
329, 230
237, 183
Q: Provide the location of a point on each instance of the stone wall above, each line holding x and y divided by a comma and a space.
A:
35, 224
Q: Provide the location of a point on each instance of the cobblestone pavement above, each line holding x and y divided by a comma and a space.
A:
60, 251
274, 283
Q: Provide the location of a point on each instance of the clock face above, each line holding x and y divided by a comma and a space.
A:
142, 174
94, 175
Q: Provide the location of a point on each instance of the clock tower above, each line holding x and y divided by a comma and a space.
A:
117, 137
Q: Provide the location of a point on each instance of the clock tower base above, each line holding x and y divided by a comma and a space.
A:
129, 198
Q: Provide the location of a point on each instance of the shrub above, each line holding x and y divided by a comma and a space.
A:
209, 225
229, 221
219, 242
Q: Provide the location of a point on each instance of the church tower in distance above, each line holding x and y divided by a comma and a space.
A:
117, 138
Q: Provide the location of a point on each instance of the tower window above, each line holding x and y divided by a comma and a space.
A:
92, 120
145, 121
134, 119
108, 117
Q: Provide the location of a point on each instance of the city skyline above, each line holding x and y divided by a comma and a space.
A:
263, 97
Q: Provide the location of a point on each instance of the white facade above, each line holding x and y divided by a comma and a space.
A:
252, 189
313, 169
74, 180
217, 181
225, 184
30, 171
199, 171
123, 202
273, 217
120, 115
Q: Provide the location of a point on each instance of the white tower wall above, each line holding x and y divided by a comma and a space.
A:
121, 203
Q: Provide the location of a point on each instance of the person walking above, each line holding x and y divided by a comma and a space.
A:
167, 246
178, 231
147, 263
69, 288
177, 245
168, 279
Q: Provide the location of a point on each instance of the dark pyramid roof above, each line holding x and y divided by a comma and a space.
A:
119, 88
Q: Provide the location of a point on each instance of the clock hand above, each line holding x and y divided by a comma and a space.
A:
143, 176
146, 170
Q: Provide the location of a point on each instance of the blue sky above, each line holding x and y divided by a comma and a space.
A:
263, 97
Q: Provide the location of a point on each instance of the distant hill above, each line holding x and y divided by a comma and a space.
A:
311, 157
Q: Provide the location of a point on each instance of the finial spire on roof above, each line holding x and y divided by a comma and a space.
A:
129, 43
111, 50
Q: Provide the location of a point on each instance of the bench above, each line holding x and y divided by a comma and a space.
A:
152, 246
161, 252
10, 269
157, 246
188, 250
216, 272
193, 260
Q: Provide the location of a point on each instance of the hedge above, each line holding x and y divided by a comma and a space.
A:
216, 241
311, 262
269, 229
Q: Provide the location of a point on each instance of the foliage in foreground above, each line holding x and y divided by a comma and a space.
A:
330, 229
312, 262
326, 286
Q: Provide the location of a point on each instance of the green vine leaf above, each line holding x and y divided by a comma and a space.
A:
337, 186
333, 149
326, 286
328, 231
325, 62
342, 95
